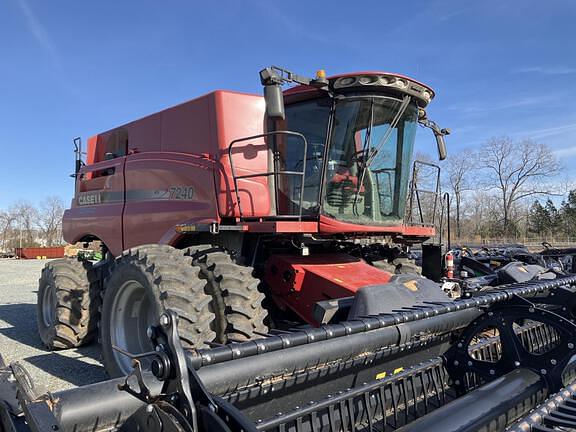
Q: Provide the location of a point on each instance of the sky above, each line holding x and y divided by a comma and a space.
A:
76, 68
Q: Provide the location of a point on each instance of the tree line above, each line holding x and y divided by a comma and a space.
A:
28, 225
547, 219
497, 189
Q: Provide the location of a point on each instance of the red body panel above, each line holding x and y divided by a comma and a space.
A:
98, 205
299, 282
168, 168
241, 117
162, 190
331, 226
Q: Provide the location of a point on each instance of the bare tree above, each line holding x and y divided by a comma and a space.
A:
517, 170
7, 220
459, 166
49, 220
26, 219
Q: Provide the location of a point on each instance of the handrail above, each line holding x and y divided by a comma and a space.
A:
274, 173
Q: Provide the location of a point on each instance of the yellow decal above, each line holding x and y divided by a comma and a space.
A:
411, 285
381, 375
398, 370
338, 280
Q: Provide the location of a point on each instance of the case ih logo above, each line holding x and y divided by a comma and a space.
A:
89, 199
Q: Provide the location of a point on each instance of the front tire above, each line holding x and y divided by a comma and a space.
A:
143, 283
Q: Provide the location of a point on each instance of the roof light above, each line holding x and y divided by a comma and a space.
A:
320, 74
405, 85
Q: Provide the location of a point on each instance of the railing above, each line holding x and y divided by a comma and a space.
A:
275, 173
424, 201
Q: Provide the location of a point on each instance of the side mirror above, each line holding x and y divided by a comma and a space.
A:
438, 133
274, 101
441, 146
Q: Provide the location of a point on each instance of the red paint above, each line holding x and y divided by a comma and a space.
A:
103, 221
332, 226
282, 227
299, 282
43, 252
183, 146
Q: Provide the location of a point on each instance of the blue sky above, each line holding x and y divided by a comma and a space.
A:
74, 68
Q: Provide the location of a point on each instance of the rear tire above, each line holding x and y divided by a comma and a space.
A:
237, 301
143, 283
68, 301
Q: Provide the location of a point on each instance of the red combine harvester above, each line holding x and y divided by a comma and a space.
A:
237, 219
256, 276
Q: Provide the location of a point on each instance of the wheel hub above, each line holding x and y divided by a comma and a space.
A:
49, 302
132, 314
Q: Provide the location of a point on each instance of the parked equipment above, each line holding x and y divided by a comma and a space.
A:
243, 213
257, 276
39, 252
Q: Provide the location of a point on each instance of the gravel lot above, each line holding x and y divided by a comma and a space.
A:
18, 334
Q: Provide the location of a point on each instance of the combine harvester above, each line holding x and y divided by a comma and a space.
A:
256, 276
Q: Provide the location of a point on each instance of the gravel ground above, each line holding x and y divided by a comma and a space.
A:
19, 340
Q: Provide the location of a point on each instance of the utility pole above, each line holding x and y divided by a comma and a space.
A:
20, 234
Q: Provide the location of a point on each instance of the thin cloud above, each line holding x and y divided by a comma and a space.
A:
489, 107
566, 131
39, 32
545, 70
547, 132
453, 14
295, 26
566, 152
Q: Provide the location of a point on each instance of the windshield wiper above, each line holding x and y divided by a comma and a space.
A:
364, 155
372, 152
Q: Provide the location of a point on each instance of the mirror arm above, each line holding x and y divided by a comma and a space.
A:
439, 134
273, 78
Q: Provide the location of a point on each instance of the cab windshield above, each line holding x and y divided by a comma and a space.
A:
368, 162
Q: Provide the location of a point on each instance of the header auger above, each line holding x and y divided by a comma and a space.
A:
257, 274
421, 368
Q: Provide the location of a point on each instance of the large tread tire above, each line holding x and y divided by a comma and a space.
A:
240, 314
68, 302
169, 281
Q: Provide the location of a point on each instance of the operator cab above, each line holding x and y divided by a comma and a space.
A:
359, 131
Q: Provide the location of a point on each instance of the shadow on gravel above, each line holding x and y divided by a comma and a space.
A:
71, 369
22, 318
69, 366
